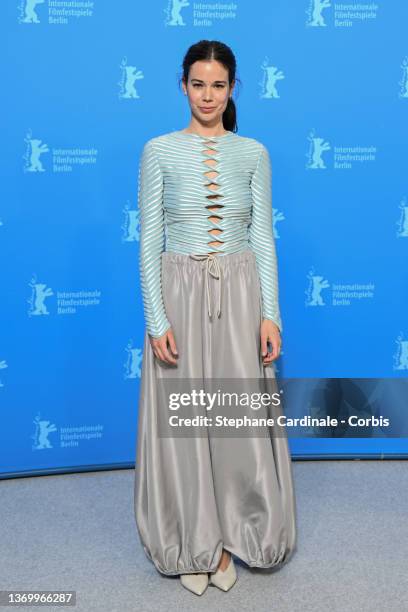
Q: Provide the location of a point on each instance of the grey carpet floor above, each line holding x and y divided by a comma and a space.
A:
77, 532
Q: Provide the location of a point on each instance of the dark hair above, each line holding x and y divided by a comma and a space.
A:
215, 50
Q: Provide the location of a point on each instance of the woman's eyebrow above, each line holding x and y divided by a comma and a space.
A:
200, 81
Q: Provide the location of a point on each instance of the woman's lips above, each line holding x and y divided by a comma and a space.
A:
205, 109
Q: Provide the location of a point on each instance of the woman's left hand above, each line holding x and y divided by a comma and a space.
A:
270, 331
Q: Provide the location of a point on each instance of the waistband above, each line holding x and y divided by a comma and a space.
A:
223, 258
214, 264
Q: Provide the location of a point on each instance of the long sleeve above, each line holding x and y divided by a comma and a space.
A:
152, 237
261, 238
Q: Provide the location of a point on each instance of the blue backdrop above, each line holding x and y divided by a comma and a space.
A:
323, 85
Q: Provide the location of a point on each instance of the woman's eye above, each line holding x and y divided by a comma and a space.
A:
218, 85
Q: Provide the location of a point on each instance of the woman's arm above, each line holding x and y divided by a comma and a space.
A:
261, 239
150, 196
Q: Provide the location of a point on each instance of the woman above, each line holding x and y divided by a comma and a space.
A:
206, 236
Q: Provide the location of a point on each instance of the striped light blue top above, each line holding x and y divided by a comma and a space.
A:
173, 205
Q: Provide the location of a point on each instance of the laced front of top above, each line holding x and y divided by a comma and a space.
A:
205, 197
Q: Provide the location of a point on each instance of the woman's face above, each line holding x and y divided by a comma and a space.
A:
208, 91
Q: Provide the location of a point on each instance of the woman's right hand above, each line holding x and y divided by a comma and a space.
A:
159, 346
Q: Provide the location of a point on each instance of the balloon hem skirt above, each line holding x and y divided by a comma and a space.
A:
195, 495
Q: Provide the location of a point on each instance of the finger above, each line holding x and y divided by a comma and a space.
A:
267, 357
167, 356
264, 348
273, 353
275, 349
159, 353
172, 344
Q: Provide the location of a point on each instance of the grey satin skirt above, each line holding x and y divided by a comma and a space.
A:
195, 496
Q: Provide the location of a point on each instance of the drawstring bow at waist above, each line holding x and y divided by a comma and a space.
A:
213, 268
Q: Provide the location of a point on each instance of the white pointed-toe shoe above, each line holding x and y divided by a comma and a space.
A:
196, 583
224, 580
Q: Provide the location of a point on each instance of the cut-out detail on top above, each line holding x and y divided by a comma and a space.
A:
167, 225
213, 184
